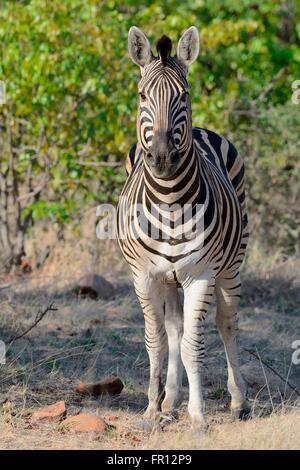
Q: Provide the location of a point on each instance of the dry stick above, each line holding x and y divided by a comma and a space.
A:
100, 164
31, 193
37, 191
253, 111
266, 380
273, 370
266, 90
40, 315
288, 374
4, 219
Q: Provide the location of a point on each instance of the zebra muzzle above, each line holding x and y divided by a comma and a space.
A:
163, 165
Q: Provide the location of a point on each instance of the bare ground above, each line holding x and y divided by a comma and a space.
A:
86, 340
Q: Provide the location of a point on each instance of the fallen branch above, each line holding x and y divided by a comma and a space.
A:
273, 370
40, 315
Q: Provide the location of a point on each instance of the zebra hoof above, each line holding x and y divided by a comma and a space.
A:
166, 418
172, 403
199, 430
146, 423
241, 414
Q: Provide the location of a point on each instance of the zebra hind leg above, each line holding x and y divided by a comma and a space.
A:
228, 295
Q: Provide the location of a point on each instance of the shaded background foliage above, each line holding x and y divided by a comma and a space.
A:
72, 94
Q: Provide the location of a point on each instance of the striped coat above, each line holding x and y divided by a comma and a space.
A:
218, 184
181, 223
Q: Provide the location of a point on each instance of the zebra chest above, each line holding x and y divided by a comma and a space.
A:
169, 259
174, 264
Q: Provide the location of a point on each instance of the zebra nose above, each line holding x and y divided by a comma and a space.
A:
160, 159
155, 157
163, 159
174, 156
151, 158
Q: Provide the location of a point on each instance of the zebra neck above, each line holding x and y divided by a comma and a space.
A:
182, 188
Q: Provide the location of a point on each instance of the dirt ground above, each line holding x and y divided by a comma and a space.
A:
85, 340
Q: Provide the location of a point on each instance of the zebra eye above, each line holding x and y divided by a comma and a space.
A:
143, 96
184, 97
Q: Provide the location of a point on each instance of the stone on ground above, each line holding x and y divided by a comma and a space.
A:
85, 423
53, 412
95, 287
111, 385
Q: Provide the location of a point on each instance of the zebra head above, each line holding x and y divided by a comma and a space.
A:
164, 122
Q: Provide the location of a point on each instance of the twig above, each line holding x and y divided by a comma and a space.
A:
288, 374
37, 191
40, 315
4, 219
266, 90
273, 370
253, 110
100, 164
266, 379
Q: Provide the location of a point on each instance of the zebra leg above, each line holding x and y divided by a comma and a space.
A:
151, 298
228, 295
197, 297
174, 326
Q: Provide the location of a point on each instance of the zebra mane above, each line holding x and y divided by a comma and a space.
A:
164, 48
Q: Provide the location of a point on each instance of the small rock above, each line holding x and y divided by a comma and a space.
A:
96, 321
109, 386
112, 418
26, 413
85, 423
51, 412
25, 266
94, 286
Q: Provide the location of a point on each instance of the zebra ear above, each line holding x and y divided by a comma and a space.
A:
139, 47
188, 46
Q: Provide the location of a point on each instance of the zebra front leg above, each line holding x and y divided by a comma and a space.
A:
228, 296
174, 327
152, 301
197, 297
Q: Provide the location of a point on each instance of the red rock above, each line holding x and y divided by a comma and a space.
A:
109, 386
52, 412
25, 266
112, 418
94, 286
85, 423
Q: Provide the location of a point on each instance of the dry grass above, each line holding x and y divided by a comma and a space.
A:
278, 431
85, 340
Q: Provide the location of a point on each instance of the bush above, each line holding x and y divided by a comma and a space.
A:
69, 119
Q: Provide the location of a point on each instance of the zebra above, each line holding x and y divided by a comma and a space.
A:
176, 163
